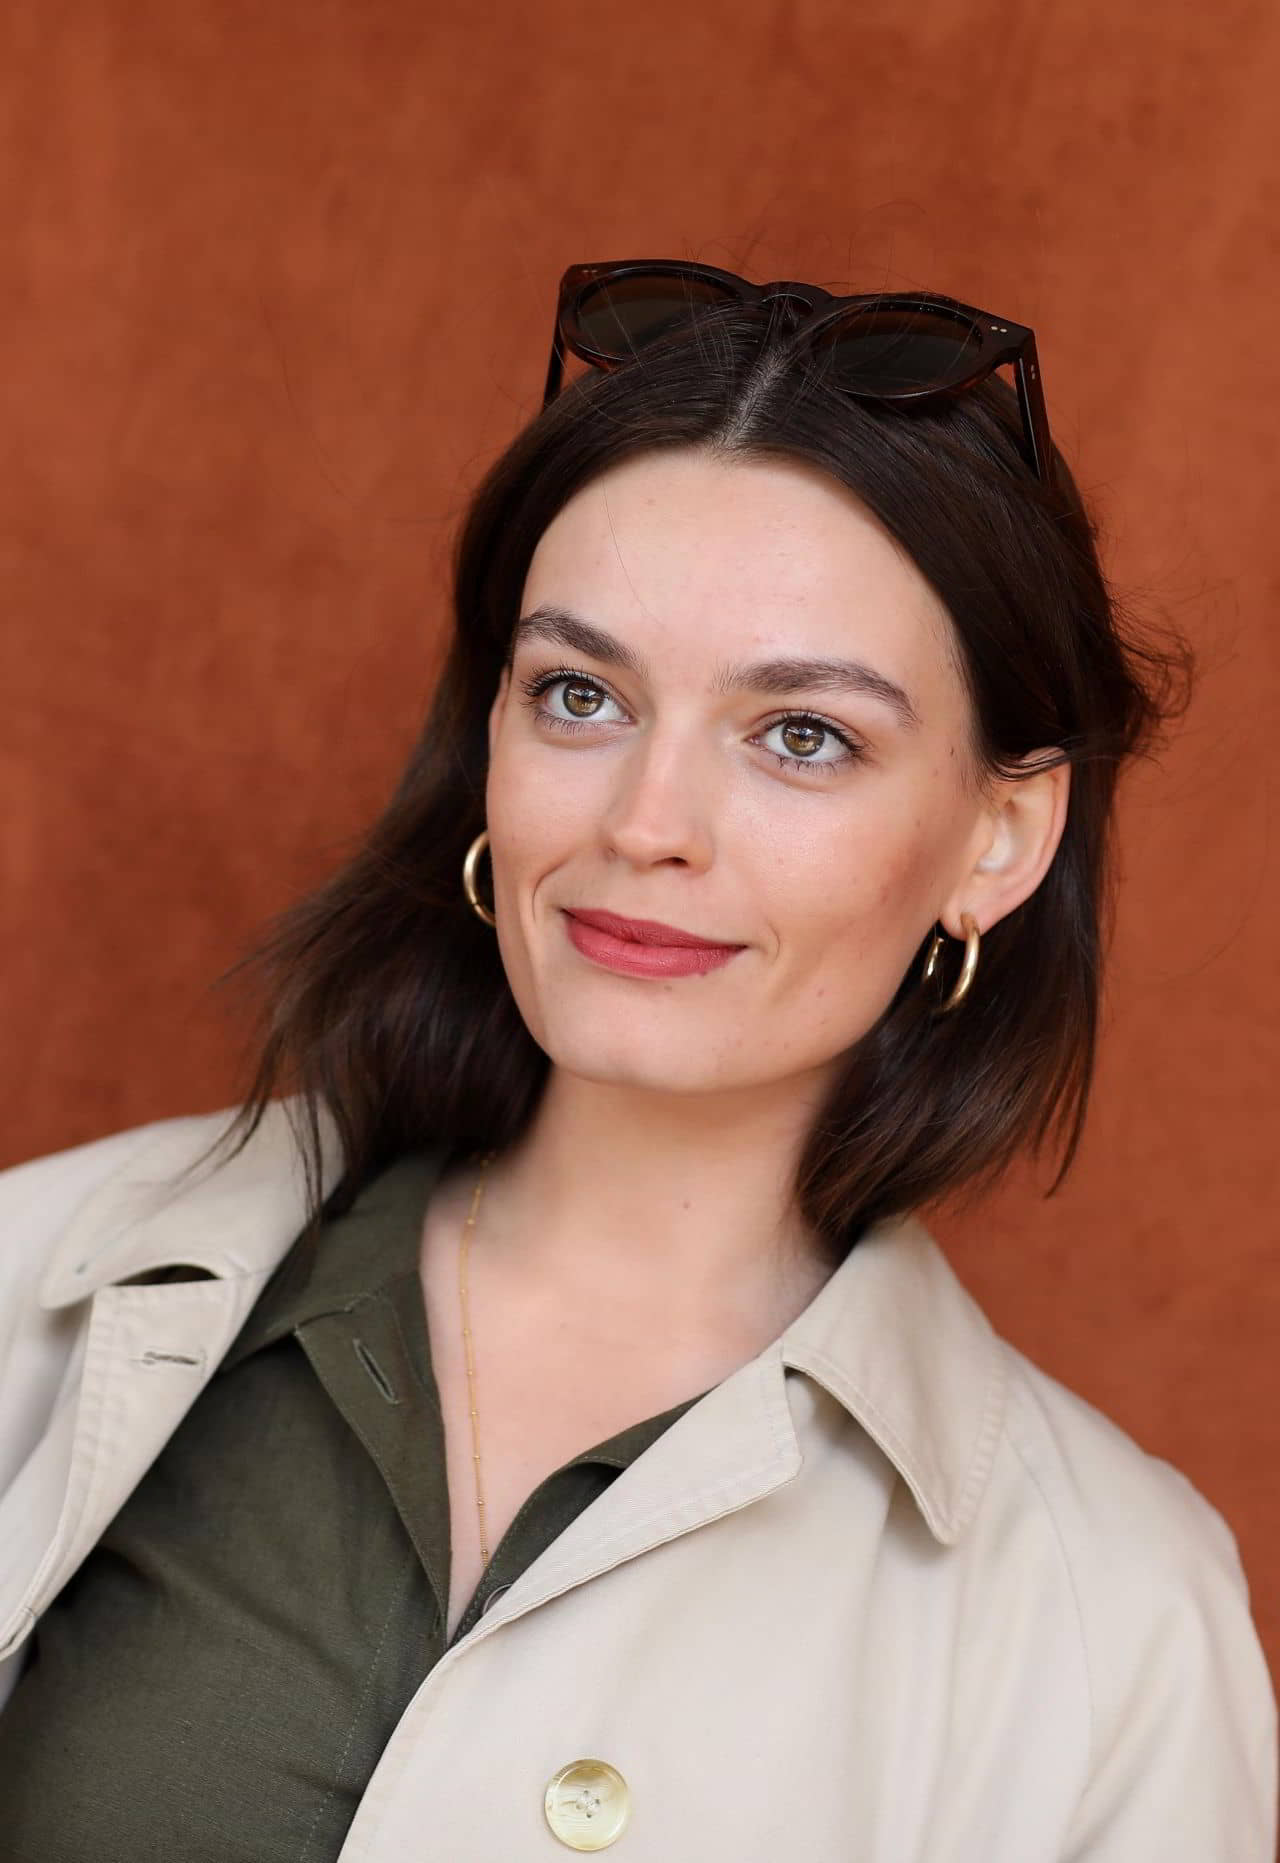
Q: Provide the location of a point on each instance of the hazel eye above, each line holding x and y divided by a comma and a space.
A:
582, 698
804, 738
810, 738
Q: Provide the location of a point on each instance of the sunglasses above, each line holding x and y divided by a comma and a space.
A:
878, 346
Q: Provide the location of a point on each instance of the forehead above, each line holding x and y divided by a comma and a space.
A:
703, 556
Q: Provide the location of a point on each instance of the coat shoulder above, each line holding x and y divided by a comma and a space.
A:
1094, 1477
1171, 1651
40, 1197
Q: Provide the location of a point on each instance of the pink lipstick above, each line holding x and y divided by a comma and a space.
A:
644, 947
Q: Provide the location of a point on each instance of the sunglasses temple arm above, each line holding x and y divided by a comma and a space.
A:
1035, 419
555, 368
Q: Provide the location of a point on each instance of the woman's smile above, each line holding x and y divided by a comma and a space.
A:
636, 947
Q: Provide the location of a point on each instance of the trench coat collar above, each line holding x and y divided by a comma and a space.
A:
892, 1334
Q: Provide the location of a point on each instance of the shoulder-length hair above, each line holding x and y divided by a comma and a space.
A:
386, 1002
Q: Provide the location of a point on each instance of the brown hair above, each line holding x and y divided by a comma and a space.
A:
386, 998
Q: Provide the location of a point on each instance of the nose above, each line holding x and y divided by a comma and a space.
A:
659, 808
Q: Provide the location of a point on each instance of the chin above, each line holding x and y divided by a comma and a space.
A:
637, 1066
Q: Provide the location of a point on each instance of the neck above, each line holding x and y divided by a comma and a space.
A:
679, 1206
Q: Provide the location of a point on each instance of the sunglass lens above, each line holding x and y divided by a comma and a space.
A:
619, 315
896, 351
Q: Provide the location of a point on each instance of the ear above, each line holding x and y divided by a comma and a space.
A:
1013, 846
498, 707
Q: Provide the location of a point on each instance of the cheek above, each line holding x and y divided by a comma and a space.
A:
852, 908
534, 821
538, 822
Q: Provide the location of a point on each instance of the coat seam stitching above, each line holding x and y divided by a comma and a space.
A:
1077, 1603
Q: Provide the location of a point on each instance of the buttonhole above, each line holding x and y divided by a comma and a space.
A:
375, 1370
170, 1358
174, 1271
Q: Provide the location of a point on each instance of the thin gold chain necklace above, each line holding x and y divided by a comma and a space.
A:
467, 1228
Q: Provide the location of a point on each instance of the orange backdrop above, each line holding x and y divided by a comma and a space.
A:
278, 282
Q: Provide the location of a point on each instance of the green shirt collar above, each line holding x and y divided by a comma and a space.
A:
335, 1264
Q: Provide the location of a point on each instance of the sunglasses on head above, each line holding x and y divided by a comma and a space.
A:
878, 346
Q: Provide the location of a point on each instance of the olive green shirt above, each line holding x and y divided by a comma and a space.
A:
219, 1679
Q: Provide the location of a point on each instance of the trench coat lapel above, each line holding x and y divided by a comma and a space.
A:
142, 1353
892, 1336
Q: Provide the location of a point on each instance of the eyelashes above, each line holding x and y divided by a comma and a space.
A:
535, 687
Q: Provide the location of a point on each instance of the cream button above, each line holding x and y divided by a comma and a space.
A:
587, 1804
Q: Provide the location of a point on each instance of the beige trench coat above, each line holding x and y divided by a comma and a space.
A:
887, 1594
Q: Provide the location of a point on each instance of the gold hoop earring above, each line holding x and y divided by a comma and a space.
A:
469, 866
972, 941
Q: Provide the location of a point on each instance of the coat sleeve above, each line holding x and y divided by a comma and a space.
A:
1184, 1737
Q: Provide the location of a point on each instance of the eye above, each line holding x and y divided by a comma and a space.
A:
581, 698
804, 737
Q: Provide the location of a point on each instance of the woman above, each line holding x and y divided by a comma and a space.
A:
577, 1440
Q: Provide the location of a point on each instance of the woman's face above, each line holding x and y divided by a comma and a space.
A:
654, 755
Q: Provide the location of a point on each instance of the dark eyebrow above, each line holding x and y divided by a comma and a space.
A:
777, 677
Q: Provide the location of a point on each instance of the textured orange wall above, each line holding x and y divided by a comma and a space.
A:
278, 281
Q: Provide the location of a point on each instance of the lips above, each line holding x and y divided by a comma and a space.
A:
648, 931
644, 947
